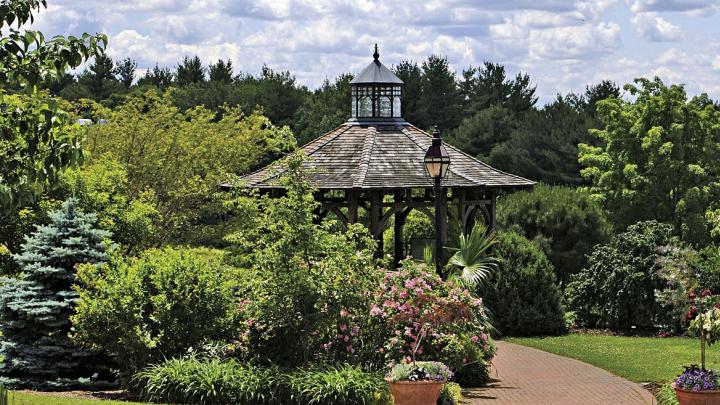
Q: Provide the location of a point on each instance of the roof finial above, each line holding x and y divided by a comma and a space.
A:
436, 132
376, 55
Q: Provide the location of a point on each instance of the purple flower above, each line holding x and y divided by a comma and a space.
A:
696, 379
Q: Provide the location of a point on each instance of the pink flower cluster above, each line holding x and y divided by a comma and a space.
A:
421, 311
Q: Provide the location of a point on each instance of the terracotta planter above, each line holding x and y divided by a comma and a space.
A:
415, 392
698, 397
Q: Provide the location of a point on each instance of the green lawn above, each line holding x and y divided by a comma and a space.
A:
25, 398
638, 359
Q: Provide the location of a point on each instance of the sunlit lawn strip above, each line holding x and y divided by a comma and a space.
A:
639, 359
39, 398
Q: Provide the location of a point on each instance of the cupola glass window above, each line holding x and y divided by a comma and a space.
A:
376, 92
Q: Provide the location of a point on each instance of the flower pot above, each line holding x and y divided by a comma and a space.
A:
415, 392
698, 397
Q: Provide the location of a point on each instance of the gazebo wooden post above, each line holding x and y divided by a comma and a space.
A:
376, 197
459, 197
400, 217
492, 209
352, 199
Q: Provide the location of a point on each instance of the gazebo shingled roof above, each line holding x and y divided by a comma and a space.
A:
384, 157
376, 155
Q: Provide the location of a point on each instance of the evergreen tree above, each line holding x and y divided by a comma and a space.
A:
440, 102
158, 77
35, 346
598, 92
189, 71
543, 147
221, 71
487, 86
410, 74
99, 78
324, 110
125, 70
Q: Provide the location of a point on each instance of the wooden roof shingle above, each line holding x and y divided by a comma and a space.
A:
383, 157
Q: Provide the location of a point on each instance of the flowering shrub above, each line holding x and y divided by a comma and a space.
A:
420, 371
423, 317
696, 379
699, 302
306, 284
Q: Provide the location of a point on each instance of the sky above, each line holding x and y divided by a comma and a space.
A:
562, 44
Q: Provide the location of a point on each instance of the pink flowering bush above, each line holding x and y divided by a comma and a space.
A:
420, 317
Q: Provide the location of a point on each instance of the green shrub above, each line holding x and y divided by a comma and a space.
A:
707, 264
451, 394
102, 187
308, 279
666, 395
522, 296
141, 310
212, 381
565, 222
473, 375
617, 288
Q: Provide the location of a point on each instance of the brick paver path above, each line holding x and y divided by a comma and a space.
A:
527, 376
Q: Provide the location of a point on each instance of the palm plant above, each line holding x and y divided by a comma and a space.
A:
472, 263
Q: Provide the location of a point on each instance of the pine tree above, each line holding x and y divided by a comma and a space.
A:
125, 70
440, 101
190, 71
221, 71
411, 75
158, 77
35, 309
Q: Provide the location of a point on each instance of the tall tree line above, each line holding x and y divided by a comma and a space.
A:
483, 110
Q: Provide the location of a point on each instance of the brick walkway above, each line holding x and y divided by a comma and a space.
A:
525, 376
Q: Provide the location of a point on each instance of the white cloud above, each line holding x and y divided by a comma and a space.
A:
655, 28
672, 56
562, 44
639, 6
716, 63
575, 42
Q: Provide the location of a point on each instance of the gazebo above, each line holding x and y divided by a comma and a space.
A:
374, 161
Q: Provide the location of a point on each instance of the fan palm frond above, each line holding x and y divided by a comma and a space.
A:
472, 262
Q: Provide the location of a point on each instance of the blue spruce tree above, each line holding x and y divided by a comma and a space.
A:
35, 308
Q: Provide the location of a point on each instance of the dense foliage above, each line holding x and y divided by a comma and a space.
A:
657, 158
181, 158
522, 297
35, 309
299, 292
37, 138
101, 187
617, 288
306, 277
565, 222
142, 310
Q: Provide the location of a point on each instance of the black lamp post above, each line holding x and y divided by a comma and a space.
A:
437, 162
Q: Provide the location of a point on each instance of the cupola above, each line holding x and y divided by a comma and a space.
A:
376, 95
